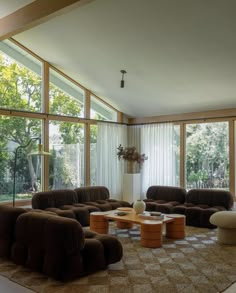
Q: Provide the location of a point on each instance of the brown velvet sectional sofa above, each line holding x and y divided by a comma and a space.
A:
56, 246
196, 204
77, 203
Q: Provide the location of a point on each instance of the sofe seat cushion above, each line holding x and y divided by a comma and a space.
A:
99, 197
164, 198
8, 217
210, 197
49, 244
201, 204
54, 199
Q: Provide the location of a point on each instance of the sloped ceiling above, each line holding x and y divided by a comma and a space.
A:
180, 56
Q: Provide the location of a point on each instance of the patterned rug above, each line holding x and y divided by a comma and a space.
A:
194, 264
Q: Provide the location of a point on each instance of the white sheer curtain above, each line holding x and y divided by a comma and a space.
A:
109, 169
134, 139
157, 142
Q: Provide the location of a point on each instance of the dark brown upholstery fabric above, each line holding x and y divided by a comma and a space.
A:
92, 193
56, 246
8, 217
54, 199
164, 198
166, 193
49, 244
202, 203
210, 197
99, 197
78, 203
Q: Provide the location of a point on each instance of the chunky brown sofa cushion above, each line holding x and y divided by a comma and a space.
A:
202, 203
56, 246
164, 198
99, 197
8, 217
54, 199
78, 203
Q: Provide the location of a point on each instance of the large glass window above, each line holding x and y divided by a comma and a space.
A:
66, 167
100, 111
14, 132
20, 74
66, 98
207, 155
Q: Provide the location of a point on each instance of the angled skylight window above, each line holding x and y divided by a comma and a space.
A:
65, 97
100, 111
21, 81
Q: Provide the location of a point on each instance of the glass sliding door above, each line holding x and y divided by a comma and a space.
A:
207, 155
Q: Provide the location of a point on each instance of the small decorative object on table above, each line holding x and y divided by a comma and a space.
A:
139, 206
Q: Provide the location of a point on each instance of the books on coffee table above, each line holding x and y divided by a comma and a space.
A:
152, 216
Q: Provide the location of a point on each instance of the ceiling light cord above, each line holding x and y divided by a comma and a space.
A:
122, 82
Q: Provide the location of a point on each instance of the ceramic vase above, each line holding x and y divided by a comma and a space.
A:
139, 206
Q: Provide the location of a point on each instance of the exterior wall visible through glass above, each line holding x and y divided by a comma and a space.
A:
207, 155
66, 167
100, 111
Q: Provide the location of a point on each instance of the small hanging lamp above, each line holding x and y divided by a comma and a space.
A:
122, 82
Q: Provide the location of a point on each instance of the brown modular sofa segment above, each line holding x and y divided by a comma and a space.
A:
78, 203
164, 198
196, 204
200, 204
56, 246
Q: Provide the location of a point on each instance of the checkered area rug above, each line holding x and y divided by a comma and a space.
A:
194, 264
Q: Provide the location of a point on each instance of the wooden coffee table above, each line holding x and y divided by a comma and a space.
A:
151, 230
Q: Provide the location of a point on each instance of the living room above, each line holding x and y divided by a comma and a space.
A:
175, 103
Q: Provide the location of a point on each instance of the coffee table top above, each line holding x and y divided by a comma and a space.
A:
132, 217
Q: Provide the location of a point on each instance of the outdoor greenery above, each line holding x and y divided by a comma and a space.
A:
20, 88
207, 155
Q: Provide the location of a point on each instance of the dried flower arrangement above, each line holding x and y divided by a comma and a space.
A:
130, 154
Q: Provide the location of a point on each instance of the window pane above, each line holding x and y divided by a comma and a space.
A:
66, 167
207, 155
93, 154
20, 73
177, 153
16, 132
66, 98
101, 111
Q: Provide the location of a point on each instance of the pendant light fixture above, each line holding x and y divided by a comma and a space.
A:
122, 82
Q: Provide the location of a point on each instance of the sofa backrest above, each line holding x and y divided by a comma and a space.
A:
167, 193
49, 244
210, 197
8, 217
54, 199
92, 193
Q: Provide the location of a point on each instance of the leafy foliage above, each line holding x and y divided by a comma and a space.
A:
207, 158
20, 89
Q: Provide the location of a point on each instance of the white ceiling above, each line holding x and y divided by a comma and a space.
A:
180, 55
